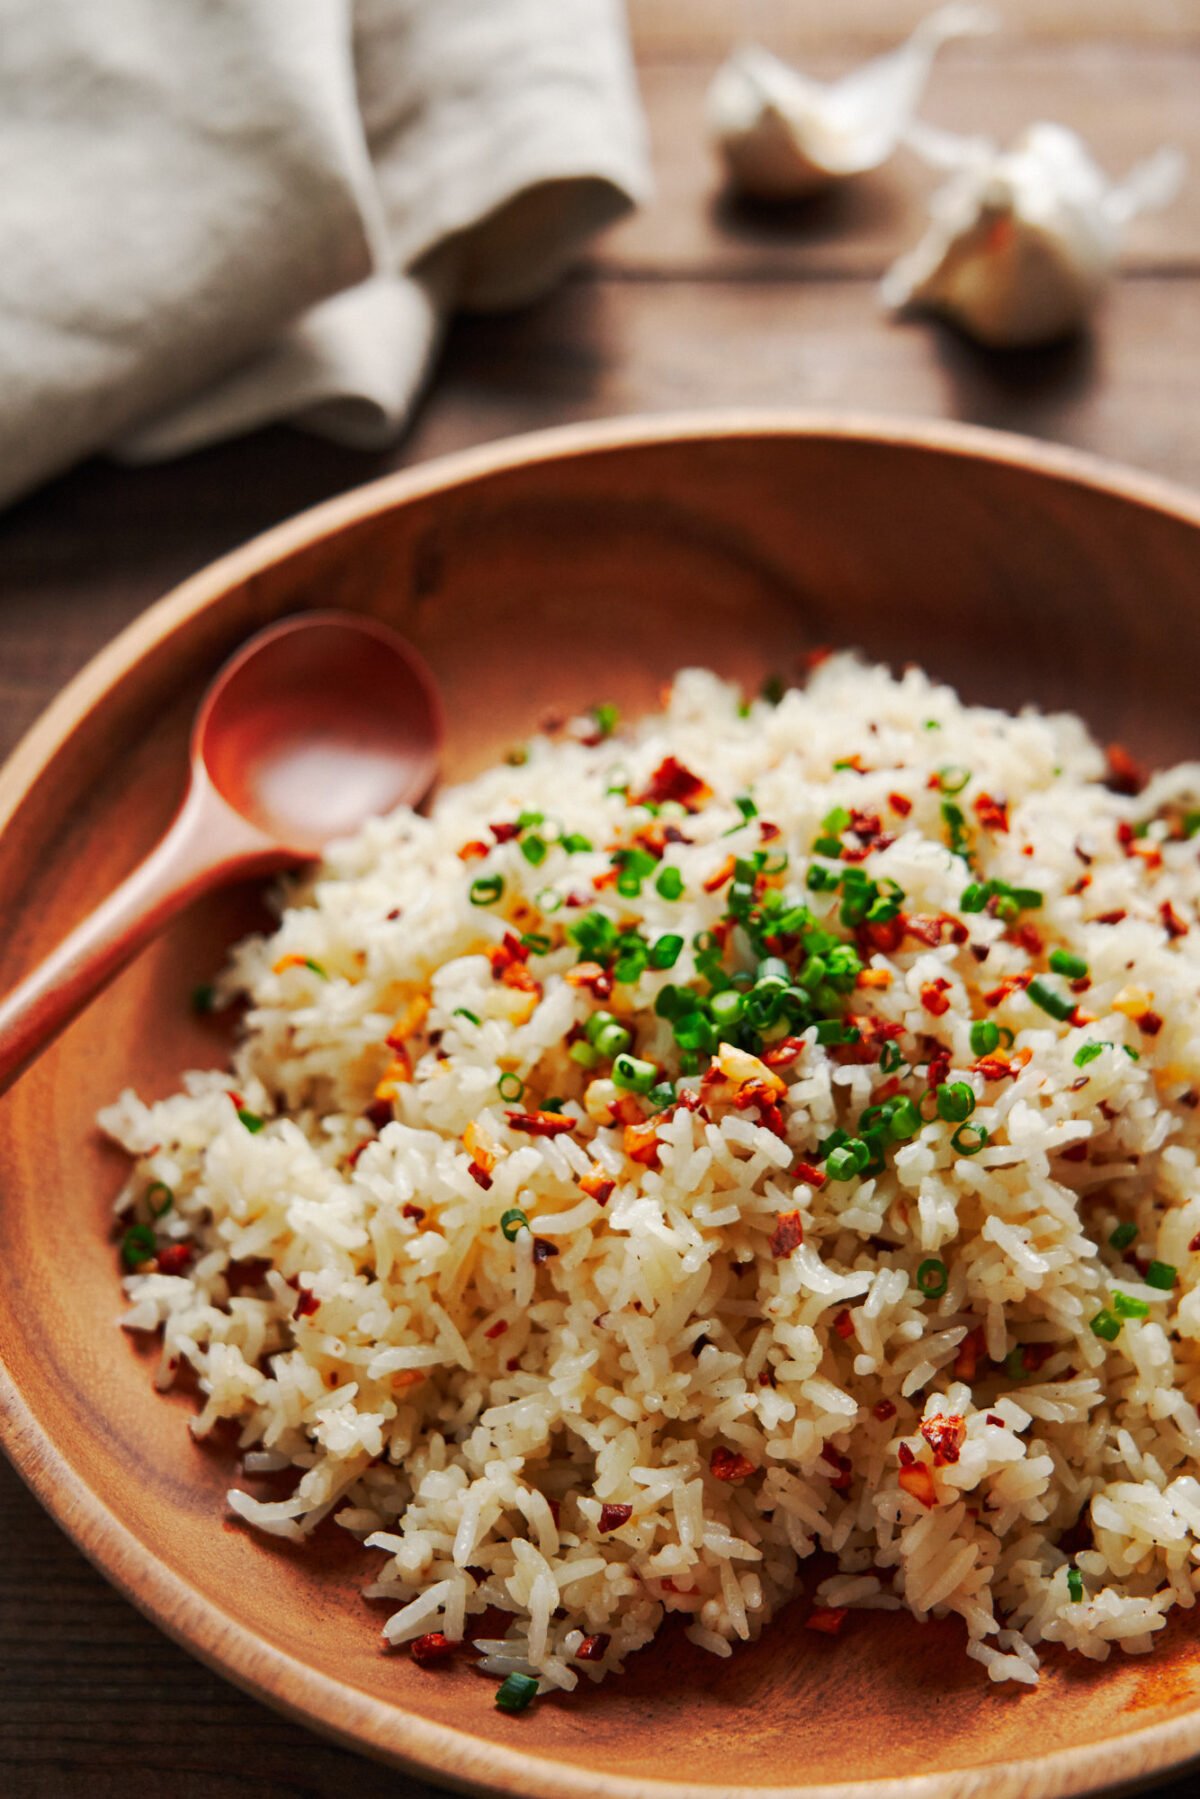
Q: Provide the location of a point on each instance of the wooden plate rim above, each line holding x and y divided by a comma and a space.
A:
198, 1624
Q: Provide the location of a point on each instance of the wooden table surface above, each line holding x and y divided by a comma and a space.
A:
693, 302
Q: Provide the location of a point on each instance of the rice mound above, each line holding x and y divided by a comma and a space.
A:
709, 1344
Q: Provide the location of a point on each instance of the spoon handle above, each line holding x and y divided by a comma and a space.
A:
206, 842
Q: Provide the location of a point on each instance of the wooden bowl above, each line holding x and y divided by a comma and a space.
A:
552, 571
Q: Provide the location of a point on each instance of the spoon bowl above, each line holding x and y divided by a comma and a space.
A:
318, 723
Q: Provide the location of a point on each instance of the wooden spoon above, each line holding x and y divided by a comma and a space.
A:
314, 726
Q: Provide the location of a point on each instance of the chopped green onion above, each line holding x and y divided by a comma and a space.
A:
1057, 1004
726, 1007
773, 690
613, 1040
594, 935
168, 1199
1123, 1235
486, 890
204, 998
848, 1159
583, 1053
1106, 1326
575, 845
969, 1139
665, 951
955, 1101
835, 1031
1075, 1585
662, 1094
669, 883
1162, 1275
890, 1059
1014, 1363
464, 1012
527, 820
820, 879
975, 897
513, 1221
633, 1075
985, 1037
1088, 1053
598, 1022
1127, 1307
902, 1119
536, 941
138, 1245
548, 899
1063, 962
510, 1087
952, 778
1135, 1055
251, 1120
606, 717
933, 1277
745, 805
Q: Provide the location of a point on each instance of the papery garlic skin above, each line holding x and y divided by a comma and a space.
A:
784, 136
1022, 243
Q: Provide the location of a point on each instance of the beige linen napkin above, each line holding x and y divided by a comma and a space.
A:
216, 213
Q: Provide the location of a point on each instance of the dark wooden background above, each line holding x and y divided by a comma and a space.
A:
694, 302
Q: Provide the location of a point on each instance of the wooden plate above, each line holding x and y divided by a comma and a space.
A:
555, 570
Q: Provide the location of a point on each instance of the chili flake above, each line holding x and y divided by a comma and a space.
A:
828, 1619
430, 1650
540, 1124
945, 1436
593, 1648
729, 1465
917, 1480
612, 1517
787, 1235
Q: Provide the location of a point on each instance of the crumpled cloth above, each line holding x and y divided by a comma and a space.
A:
220, 213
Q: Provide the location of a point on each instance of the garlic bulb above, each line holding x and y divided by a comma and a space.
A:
1021, 243
783, 135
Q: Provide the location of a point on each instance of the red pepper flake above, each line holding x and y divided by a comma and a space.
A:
840, 1480
540, 1124
612, 1517
966, 1362
1110, 917
1173, 925
591, 975
787, 1235
933, 996
945, 1436
471, 852
907, 1458
428, 1651
723, 874
379, 1113
408, 1210
782, 1054
991, 813
843, 1324
884, 1410
938, 1069
598, 1186
174, 1258
1124, 774
306, 1303
498, 1329
356, 1152
804, 1171
594, 1648
641, 1143
899, 803
813, 658
865, 824
1194, 1245
672, 781
1029, 938
505, 833
873, 1033
1149, 1023
479, 1175
767, 831
924, 929
543, 1249
828, 1619
1011, 983
994, 1418
917, 1480
886, 935
730, 1465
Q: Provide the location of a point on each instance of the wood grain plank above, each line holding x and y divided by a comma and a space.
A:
1130, 391
1124, 102
704, 28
